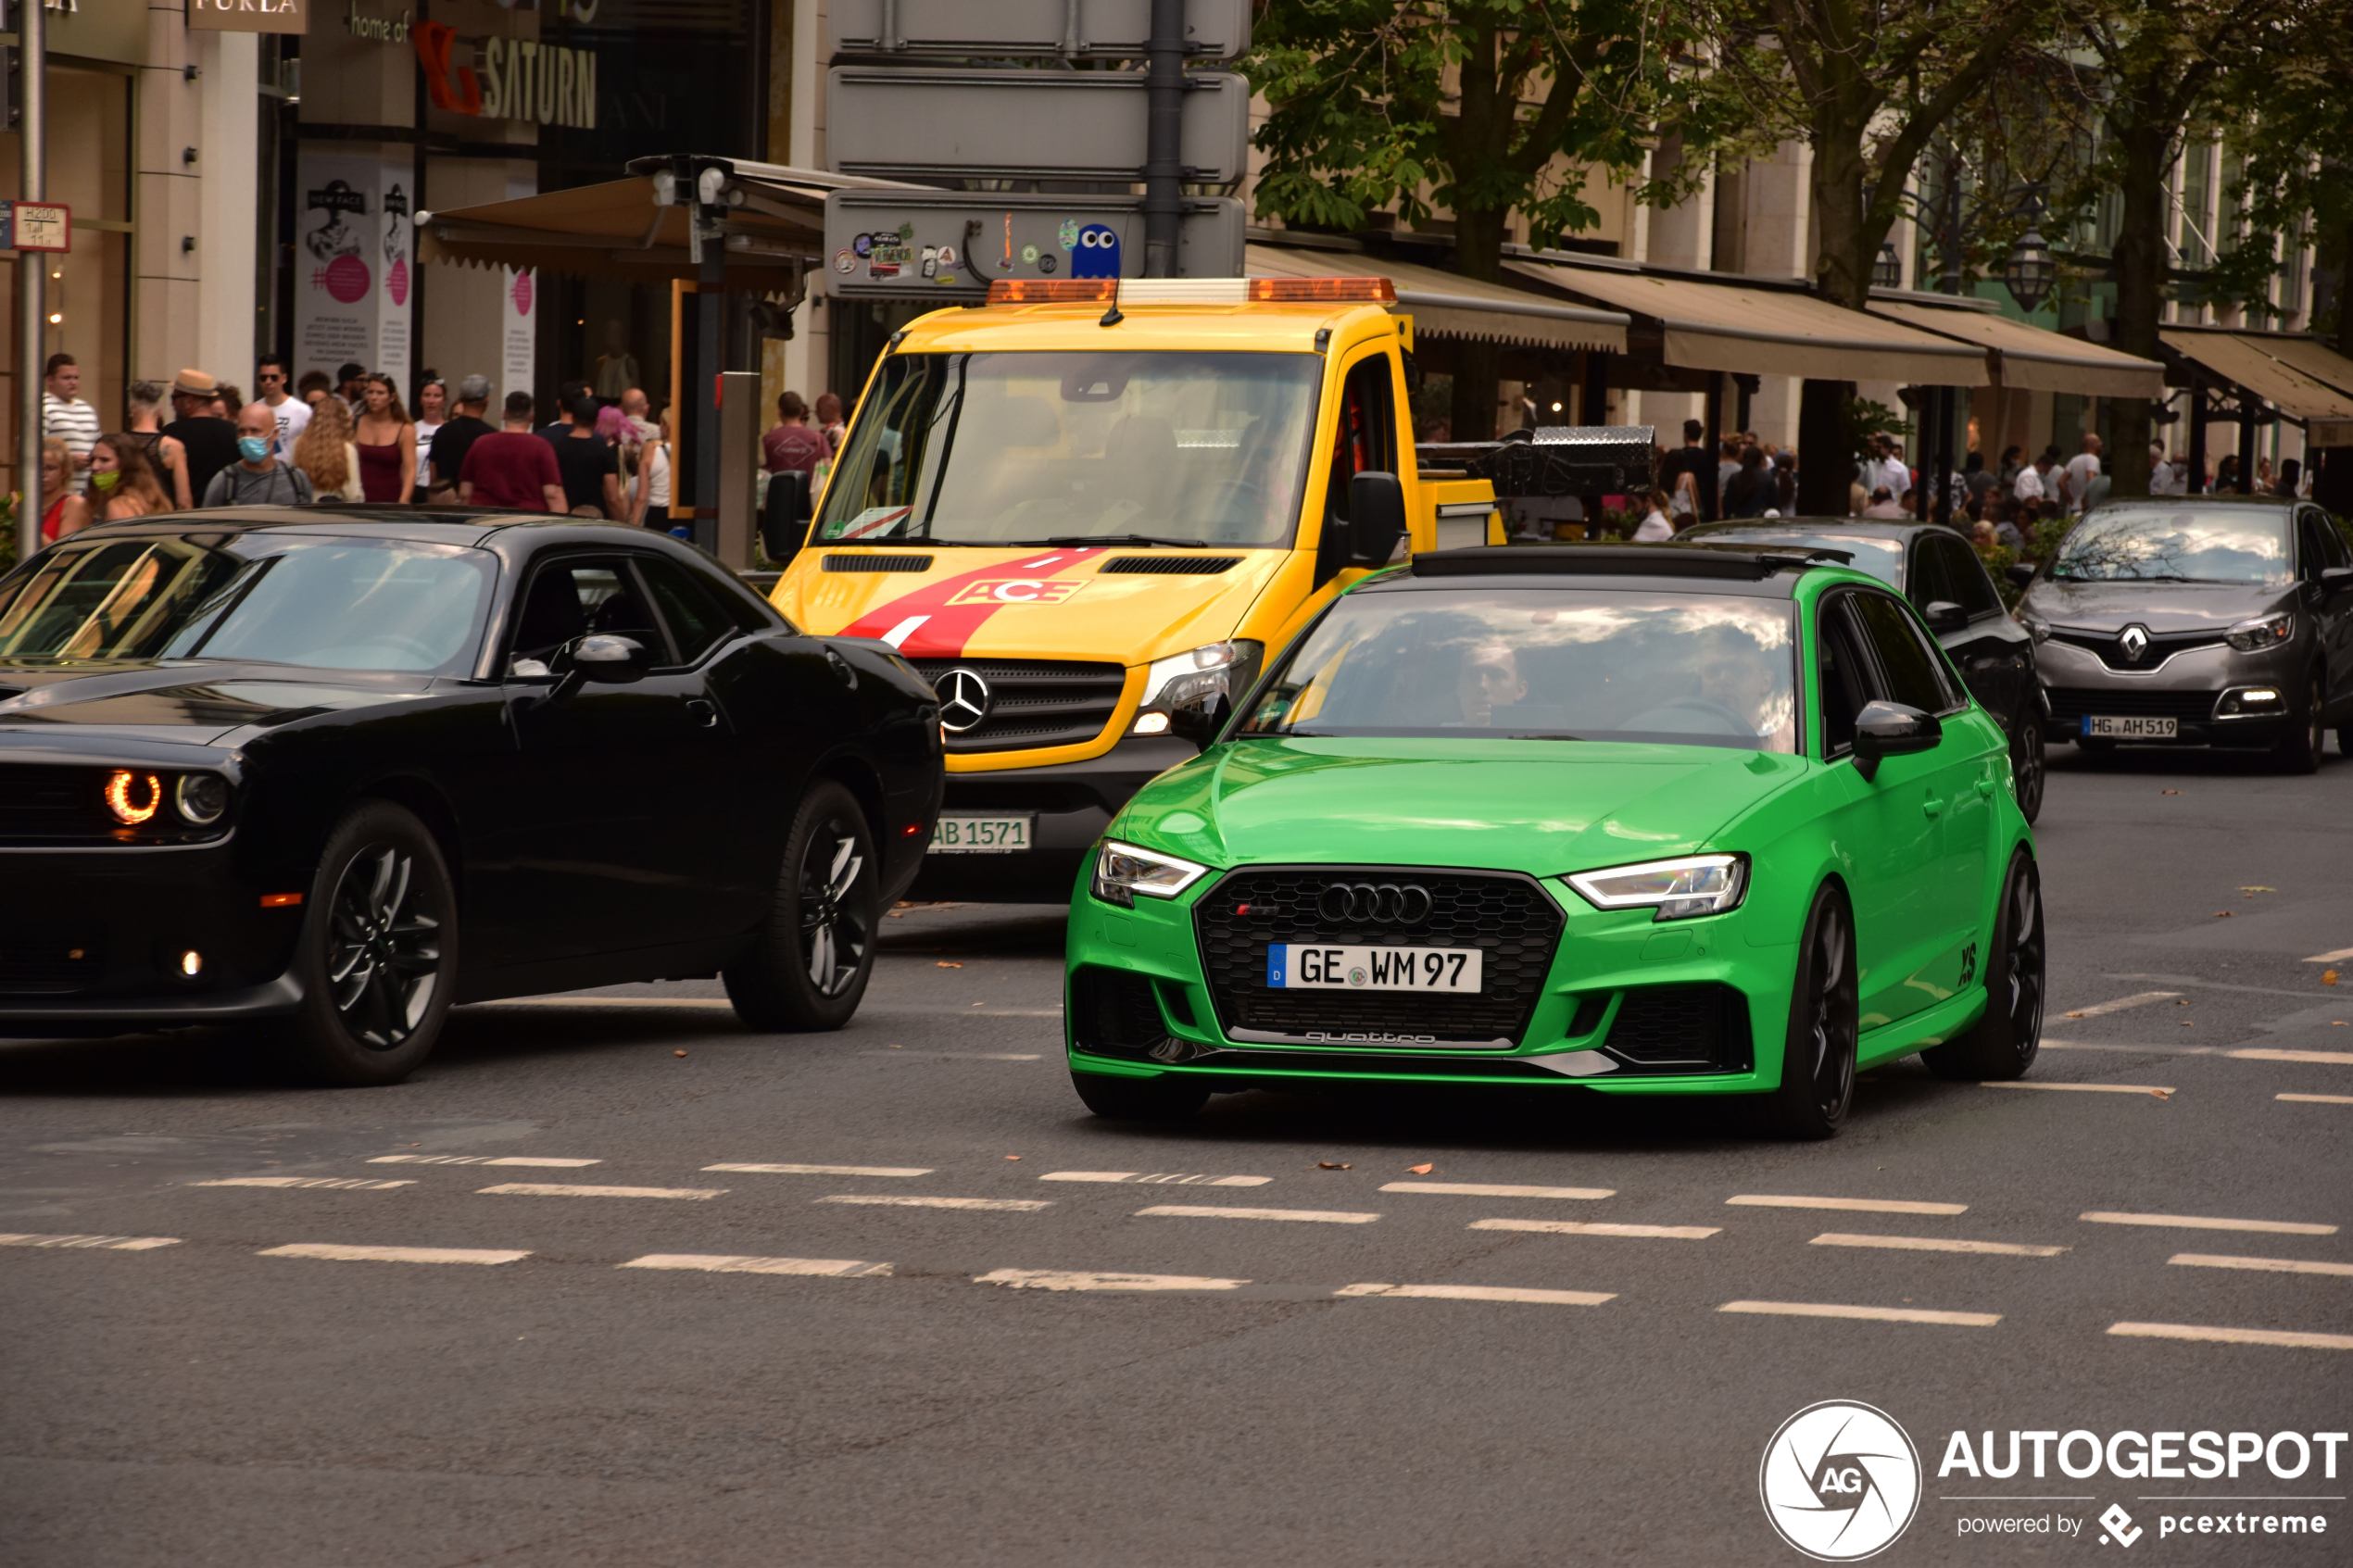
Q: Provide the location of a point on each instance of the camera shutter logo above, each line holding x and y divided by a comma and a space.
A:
1840, 1481
963, 700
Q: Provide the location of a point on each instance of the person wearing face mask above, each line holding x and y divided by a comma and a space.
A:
121, 484
257, 478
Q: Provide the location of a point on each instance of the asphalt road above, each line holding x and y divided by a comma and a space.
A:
880, 1358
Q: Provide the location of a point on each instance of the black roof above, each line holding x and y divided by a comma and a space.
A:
1767, 573
441, 525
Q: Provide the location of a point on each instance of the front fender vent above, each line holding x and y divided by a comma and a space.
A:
1170, 566
879, 563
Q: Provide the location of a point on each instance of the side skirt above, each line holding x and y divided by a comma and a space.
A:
1945, 1021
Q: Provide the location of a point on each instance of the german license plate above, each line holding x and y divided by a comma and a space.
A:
1292, 966
2108, 727
981, 836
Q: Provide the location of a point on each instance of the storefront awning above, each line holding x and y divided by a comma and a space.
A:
1445, 306
2313, 358
1733, 326
2247, 362
2023, 357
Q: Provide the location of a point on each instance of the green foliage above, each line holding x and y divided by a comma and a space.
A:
1866, 419
1999, 559
2277, 118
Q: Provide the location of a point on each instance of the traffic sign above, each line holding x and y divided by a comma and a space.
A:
950, 246
905, 124
40, 226
1081, 29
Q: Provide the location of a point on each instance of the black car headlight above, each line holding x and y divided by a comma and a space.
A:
133, 797
1677, 889
201, 798
2269, 632
136, 798
1202, 678
1122, 871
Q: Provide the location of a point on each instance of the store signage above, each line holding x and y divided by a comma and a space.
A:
375, 30
354, 289
510, 78
249, 16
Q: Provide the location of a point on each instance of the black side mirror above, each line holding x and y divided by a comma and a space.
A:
608, 658
2019, 573
2336, 580
784, 516
1890, 729
1942, 616
1200, 725
1376, 518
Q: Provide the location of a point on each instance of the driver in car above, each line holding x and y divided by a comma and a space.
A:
1488, 679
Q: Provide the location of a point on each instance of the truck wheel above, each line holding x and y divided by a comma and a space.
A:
808, 965
1139, 1100
378, 956
2004, 1041
1817, 1060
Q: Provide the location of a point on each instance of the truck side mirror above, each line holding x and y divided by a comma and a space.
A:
1376, 518
784, 518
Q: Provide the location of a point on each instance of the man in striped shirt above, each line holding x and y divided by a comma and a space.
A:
65, 416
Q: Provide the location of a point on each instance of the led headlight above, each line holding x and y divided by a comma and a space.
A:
1696, 885
132, 797
2251, 636
1194, 679
201, 798
1122, 871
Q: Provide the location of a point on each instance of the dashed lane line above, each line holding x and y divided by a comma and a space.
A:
561, 1189
1872, 1314
479, 1160
1062, 1279
2337, 957
2138, 999
2317, 1099
349, 1183
1859, 1205
1580, 1228
2204, 1223
1009, 1205
339, 1254
91, 1243
2081, 1089
2333, 1059
1482, 1293
961, 1056
827, 1169
702, 1003
2221, 1336
836, 1268
1311, 1216
2050, 1045
1160, 1178
1487, 1190
1936, 1244
2261, 1265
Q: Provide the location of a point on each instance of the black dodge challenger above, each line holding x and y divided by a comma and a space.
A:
331, 771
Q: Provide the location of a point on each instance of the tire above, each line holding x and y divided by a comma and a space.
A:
2004, 1044
2301, 751
2026, 767
378, 957
1139, 1100
1817, 1060
808, 965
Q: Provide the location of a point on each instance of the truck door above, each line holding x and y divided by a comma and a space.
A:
1364, 440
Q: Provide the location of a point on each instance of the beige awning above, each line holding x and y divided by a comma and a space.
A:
1445, 306
2248, 362
2309, 355
2023, 357
1769, 332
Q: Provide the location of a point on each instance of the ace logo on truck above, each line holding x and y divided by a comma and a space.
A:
1840, 1481
1016, 591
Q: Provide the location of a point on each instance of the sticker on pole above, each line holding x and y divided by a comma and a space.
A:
40, 226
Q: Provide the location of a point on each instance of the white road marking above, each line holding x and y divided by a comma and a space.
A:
1056, 1279
1578, 1227
2261, 1265
2337, 957
2081, 1088
1483, 1293
827, 1169
1014, 1205
1484, 1189
1935, 1244
1874, 1314
94, 1243
341, 1181
962, 1056
476, 1160
1150, 1177
836, 1268
607, 1002
904, 630
1322, 1216
2051, 1045
558, 1189
1860, 1205
2319, 1099
391, 1254
2233, 1336
2333, 1059
2201, 1223
2138, 999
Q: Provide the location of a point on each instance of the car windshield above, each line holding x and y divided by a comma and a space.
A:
1883, 558
1692, 669
1035, 448
2160, 543
279, 598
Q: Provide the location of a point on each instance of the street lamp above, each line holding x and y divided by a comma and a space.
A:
1887, 272
2031, 271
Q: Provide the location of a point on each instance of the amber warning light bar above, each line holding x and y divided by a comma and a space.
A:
1193, 290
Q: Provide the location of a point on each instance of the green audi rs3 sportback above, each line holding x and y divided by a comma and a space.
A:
1642, 820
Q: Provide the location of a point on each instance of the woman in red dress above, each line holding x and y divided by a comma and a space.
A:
388, 444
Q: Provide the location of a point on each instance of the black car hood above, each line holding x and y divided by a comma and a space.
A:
2160, 607
193, 702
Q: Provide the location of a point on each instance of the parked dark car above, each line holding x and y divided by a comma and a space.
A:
331, 771
1935, 568
2221, 621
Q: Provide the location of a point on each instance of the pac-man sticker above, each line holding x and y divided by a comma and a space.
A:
1098, 253
1016, 591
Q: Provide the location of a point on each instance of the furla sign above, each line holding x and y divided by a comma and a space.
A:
249, 16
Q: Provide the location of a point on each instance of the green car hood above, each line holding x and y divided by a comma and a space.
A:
1535, 806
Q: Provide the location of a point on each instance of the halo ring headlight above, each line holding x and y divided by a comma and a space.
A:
132, 797
201, 798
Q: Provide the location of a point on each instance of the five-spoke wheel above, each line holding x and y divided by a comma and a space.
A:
2004, 1042
807, 966
1818, 1058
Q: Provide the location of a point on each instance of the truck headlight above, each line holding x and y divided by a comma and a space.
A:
1696, 885
1122, 871
2252, 637
1198, 678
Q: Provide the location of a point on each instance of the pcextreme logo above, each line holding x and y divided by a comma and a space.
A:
1840, 1481
1017, 591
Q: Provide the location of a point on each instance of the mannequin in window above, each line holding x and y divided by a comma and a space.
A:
616, 367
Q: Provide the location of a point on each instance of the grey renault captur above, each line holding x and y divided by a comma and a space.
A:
2217, 621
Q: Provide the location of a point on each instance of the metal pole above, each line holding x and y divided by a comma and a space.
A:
31, 269
1164, 138
2198, 438
2249, 410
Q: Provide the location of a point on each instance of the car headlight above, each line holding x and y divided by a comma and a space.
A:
132, 797
201, 798
2252, 637
1197, 678
1122, 871
1696, 885
2036, 627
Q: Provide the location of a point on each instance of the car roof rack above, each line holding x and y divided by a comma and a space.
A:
1611, 560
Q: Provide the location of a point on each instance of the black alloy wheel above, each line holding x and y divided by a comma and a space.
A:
2026, 761
808, 964
1818, 1058
2301, 749
2005, 1039
1165, 1098
378, 956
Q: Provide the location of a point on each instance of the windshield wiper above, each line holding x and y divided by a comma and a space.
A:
1544, 734
1119, 539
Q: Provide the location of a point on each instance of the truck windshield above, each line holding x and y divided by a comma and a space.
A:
1027, 448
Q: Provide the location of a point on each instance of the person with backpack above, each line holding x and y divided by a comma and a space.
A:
257, 478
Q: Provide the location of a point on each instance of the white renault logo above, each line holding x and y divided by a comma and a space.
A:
963, 700
2134, 641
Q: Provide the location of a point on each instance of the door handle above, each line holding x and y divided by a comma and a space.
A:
702, 713
1933, 806
1985, 787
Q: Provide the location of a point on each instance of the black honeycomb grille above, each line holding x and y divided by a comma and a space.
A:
1693, 1028
38, 802
1505, 916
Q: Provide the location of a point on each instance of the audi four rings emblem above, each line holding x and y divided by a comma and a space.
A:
963, 700
1363, 903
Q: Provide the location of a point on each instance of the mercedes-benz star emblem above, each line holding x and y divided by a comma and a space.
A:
2134, 641
963, 699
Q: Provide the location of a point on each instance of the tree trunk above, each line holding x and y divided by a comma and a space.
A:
1842, 267
2140, 265
1824, 465
1478, 252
